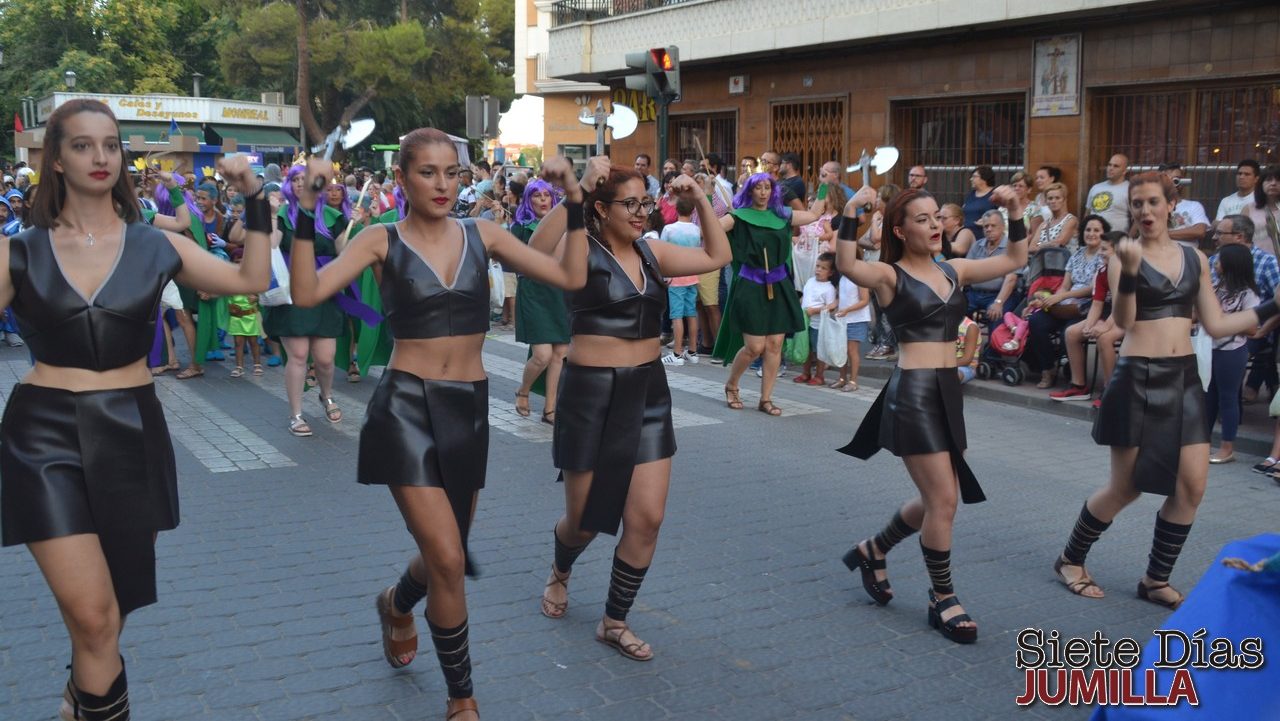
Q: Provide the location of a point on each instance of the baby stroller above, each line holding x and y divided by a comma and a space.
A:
1006, 341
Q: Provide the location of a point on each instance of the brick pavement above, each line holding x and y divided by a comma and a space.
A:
267, 587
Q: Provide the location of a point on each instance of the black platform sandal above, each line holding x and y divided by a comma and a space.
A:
83, 706
951, 628
856, 560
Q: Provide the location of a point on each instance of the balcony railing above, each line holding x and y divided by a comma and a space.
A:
573, 11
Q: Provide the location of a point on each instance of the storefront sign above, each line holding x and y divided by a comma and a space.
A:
646, 109
163, 108
1056, 80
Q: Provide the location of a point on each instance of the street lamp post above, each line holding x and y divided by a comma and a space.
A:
195, 81
69, 78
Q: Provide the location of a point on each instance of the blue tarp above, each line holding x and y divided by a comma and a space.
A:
1230, 604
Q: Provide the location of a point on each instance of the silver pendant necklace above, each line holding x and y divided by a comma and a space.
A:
90, 240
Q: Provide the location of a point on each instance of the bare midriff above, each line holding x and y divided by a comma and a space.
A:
79, 380
449, 358
927, 354
1158, 338
608, 352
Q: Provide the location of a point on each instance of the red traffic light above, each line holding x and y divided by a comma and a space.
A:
662, 59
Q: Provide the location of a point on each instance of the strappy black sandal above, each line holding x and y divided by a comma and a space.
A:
1144, 593
1080, 585
856, 560
950, 628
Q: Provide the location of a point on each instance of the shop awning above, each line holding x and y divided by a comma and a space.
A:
153, 131
257, 137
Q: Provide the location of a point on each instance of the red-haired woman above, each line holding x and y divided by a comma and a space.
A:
613, 438
87, 469
426, 435
762, 306
919, 414
1152, 412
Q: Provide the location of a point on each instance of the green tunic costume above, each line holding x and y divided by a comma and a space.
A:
325, 320
541, 313
749, 309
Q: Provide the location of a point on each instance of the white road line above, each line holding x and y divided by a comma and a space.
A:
221, 443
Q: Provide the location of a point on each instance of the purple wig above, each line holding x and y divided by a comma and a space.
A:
524, 212
286, 189
744, 197
402, 203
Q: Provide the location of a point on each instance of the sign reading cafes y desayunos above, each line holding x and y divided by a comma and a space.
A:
162, 108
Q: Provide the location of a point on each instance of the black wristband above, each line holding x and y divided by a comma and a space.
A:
1128, 283
848, 230
257, 214
1017, 230
306, 228
1266, 310
575, 220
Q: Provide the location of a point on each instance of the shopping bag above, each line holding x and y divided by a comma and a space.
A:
832, 348
278, 292
1202, 345
497, 287
796, 348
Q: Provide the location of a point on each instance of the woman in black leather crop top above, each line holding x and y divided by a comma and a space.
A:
426, 433
918, 415
87, 476
613, 437
1152, 412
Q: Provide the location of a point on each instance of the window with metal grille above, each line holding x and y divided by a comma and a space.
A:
1207, 129
816, 130
951, 138
717, 133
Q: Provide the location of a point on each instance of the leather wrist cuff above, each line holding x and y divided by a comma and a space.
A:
306, 229
575, 219
1128, 283
257, 214
848, 229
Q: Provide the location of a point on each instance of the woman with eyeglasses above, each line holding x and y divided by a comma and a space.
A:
762, 306
613, 437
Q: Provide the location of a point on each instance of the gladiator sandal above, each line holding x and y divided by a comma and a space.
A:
81, 705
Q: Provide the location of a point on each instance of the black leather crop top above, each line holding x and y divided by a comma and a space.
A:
918, 314
415, 301
110, 329
610, 304
1159, 297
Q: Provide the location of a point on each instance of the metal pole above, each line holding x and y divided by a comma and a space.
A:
601, 122
662, 102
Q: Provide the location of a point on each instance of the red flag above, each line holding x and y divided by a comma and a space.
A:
17, 123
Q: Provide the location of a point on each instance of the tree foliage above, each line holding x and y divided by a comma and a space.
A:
407, 63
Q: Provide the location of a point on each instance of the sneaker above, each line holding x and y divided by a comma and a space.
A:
1266, 466
874, 353
1097, 403
760, 372
13, 340
691, 358
672, 360
890, 354
1072, 393
717, 361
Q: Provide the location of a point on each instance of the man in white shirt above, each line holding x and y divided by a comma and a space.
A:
1247, 173
1110, 198
1189, 223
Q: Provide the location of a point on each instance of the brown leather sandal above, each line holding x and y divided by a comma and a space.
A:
612, 636
391, 648
767, 406
1145, 593
550, 608
732, 398
1080, 585
455, 706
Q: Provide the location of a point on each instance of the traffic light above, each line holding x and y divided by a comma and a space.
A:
660, 72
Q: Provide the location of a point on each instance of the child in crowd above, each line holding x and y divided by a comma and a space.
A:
682, 292
967, 349
819, 295
854, 307
245, 325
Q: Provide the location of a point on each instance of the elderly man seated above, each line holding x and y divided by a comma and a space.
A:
994, 296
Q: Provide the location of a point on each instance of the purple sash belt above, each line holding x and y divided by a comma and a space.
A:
760, 277
353, 305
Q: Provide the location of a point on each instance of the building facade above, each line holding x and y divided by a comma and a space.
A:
952, 83
563, 100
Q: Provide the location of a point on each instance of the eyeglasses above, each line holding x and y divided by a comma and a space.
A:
632, 205
1220, 233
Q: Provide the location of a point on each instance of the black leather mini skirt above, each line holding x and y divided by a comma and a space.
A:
610, 420
1157, 405
421, 432
920, 410
98, 462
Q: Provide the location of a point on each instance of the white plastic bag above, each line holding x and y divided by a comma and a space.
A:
497, 287
1202, 345
832, 346
278, 292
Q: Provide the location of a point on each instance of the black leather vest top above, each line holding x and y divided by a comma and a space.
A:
1159, 297
610, 304
110, 329
917, 314
415, 301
